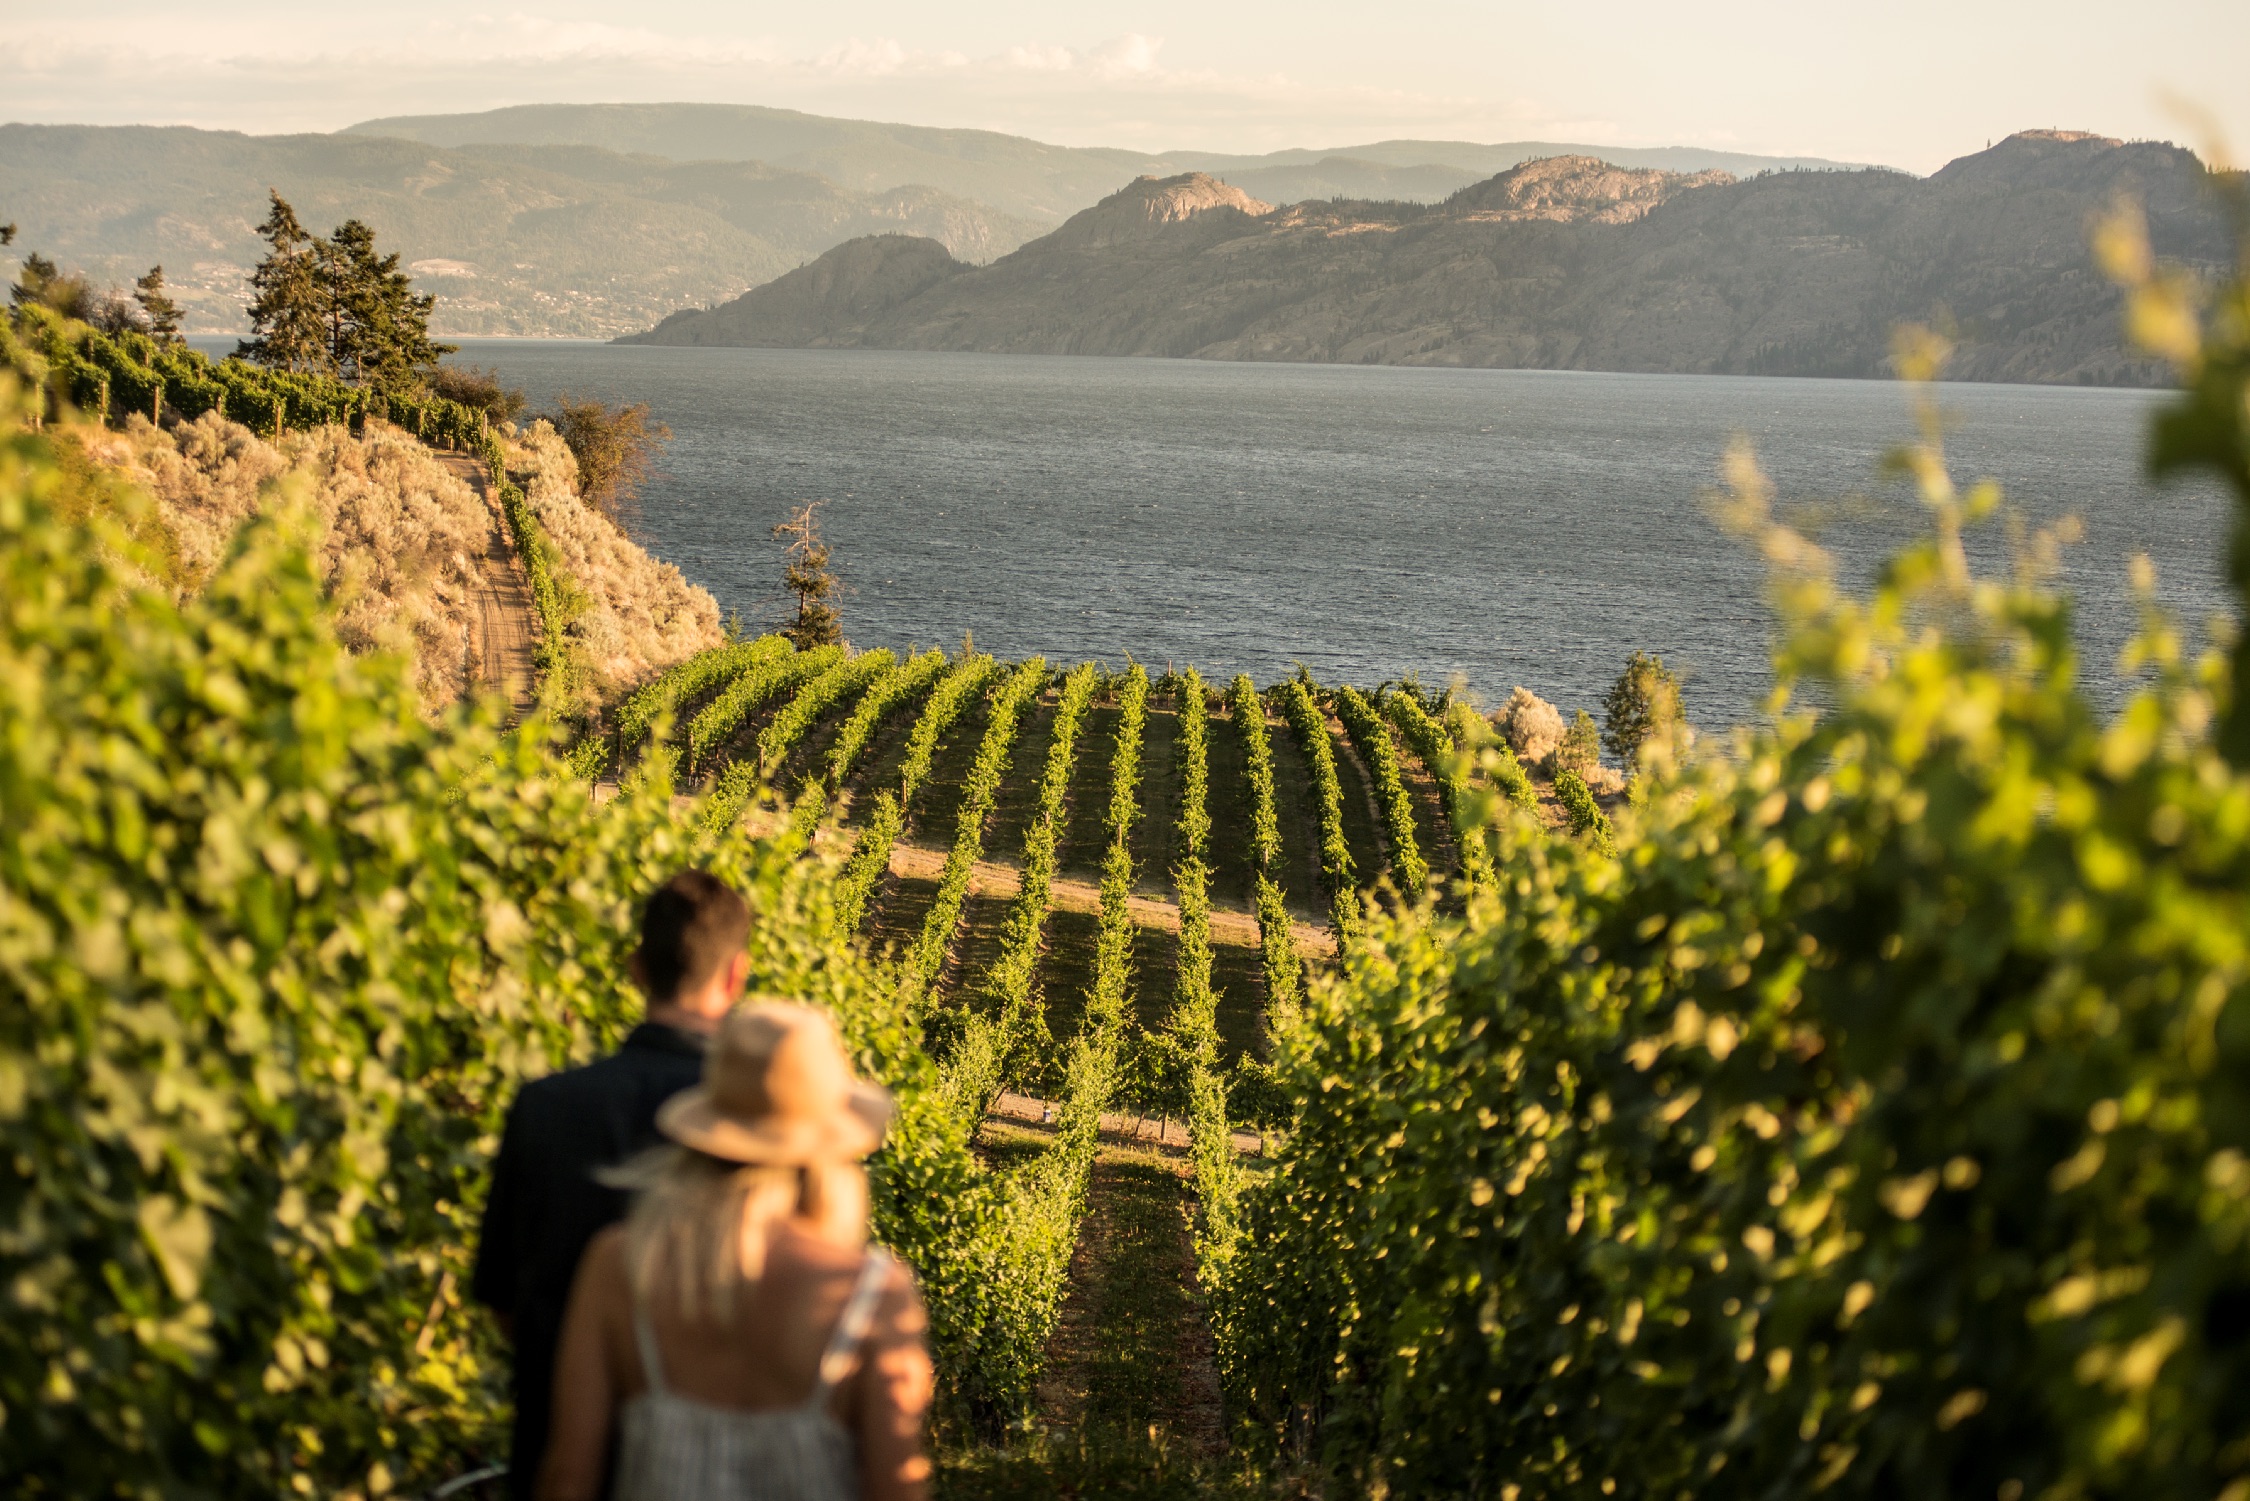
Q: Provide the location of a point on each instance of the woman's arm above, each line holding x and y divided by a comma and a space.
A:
895, 1384
587, 1385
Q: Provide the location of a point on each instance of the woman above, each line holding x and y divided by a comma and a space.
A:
736, 1336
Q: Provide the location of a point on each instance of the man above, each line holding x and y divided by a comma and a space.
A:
545, 1205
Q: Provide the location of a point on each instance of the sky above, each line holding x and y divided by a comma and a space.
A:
1908, 83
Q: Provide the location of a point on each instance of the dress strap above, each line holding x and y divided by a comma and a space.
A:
652, 1364
859, 1313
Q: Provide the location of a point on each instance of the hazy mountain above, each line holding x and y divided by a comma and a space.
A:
1563, 263
1012, 173
513, 239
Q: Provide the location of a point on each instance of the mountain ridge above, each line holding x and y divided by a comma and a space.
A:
569, 240
1017, 174
1567, 264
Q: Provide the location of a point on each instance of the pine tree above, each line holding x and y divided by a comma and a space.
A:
1644, 701
805, 573
161, 313
288, 330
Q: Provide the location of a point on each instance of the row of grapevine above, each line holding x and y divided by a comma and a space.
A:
1372, 738
1190, 1035
722, 718
1045, 1200
1193, 1030
745, 774
1009, 700
901, 685
1311, 729
1587, 820
554, 600
1448, 765
871, 856
1005, 1018
111, 377
684, 682
840, 682
1276, 934
281, 950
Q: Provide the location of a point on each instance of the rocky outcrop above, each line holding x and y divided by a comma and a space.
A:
1570, 263
1573, 190
1145, 207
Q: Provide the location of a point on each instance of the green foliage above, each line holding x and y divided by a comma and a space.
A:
336, 307
1587, 820
1311, 729
1276, 934
838, 683
744, 775
722, 718
553, 603
1190, 1037
1875, 1126
977, 793
1449, 766
894, 690
1581, 748
1017, 1026
685, 682
871, 856
1643, 702
1372, 739
277, 952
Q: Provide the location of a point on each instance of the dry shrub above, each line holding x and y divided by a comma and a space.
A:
614, 449
1531, 726
640, 615
402, 539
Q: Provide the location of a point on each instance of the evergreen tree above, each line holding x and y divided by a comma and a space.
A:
380, 328
805, 573
160, 313
1644, 701
288, 331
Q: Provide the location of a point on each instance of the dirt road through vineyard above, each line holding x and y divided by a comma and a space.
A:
508, 634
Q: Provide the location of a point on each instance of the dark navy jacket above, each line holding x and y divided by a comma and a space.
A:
545, 1205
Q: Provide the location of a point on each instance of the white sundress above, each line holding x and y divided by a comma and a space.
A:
674, 1448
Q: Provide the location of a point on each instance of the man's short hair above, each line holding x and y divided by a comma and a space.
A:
692, 925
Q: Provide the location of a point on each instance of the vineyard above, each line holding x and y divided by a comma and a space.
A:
1300, 1092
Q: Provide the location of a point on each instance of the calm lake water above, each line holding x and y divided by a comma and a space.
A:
1504, 526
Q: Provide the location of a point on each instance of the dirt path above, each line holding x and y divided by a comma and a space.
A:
1230, 924
508, 634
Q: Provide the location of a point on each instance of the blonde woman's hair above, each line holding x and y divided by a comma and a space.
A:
703, 1223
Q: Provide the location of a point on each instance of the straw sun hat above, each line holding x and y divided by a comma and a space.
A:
778, 1089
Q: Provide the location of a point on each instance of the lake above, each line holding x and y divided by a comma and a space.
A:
1504, 527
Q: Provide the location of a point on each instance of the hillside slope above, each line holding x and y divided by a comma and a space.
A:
1014, 174
1566, 263
542, 240
404, 541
